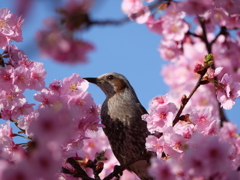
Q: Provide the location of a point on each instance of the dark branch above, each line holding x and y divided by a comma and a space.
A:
204, 36
195, 35
186, 99
208, 45
118, 170
79, 171
108, 22
222, 31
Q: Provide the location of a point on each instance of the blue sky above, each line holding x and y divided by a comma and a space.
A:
129, 49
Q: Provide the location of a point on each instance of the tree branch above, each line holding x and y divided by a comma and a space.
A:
108, 22
186, 99
208, 45
118, 170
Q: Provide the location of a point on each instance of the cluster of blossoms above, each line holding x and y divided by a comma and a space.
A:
195, 148
200, 146
58, 41
10, 27
55, 129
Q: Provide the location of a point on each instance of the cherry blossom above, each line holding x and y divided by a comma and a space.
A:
136, 10
10, 26
161, 170
160, 117
228, 92
62, 48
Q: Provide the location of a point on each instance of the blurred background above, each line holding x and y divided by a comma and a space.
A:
129, 49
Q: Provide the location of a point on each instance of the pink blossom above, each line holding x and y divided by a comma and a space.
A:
60, 47
71, 85
169, 50
174, 143
6, 77
158, 101
136, 10
160, 170
173, 12
26, 120
228, 132
21, 77
10, 27
213, 127
37, 76
174, 29
211, 74
47, 97
93, 118
3, 41
13, 153
179, 71
204, 99
160, 118
231, 6
208, 156
55, 85
233, 21
4, 165
9, 151
218, 17
46, 161
195, 7
19, 171
233, 175
155, 25
228, 92
51, 125
195, 52
95, 143
22, 110
185, 129
202, 118
15, 55
8, 113
90, 121
155, 144
80, 104
11, 98
6, 133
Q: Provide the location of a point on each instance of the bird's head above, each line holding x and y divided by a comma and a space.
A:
111, 83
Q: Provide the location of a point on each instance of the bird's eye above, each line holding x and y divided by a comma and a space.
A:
110, 77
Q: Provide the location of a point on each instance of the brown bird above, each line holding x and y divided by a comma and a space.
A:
121, 114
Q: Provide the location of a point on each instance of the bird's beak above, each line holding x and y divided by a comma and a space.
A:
94, 80
91, 80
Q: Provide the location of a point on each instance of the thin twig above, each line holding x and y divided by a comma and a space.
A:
222, 31
195, 35
223, 117
185, 101
204, 36
108, 22
209, 49
79, 172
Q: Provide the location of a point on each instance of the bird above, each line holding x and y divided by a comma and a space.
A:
121, 115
